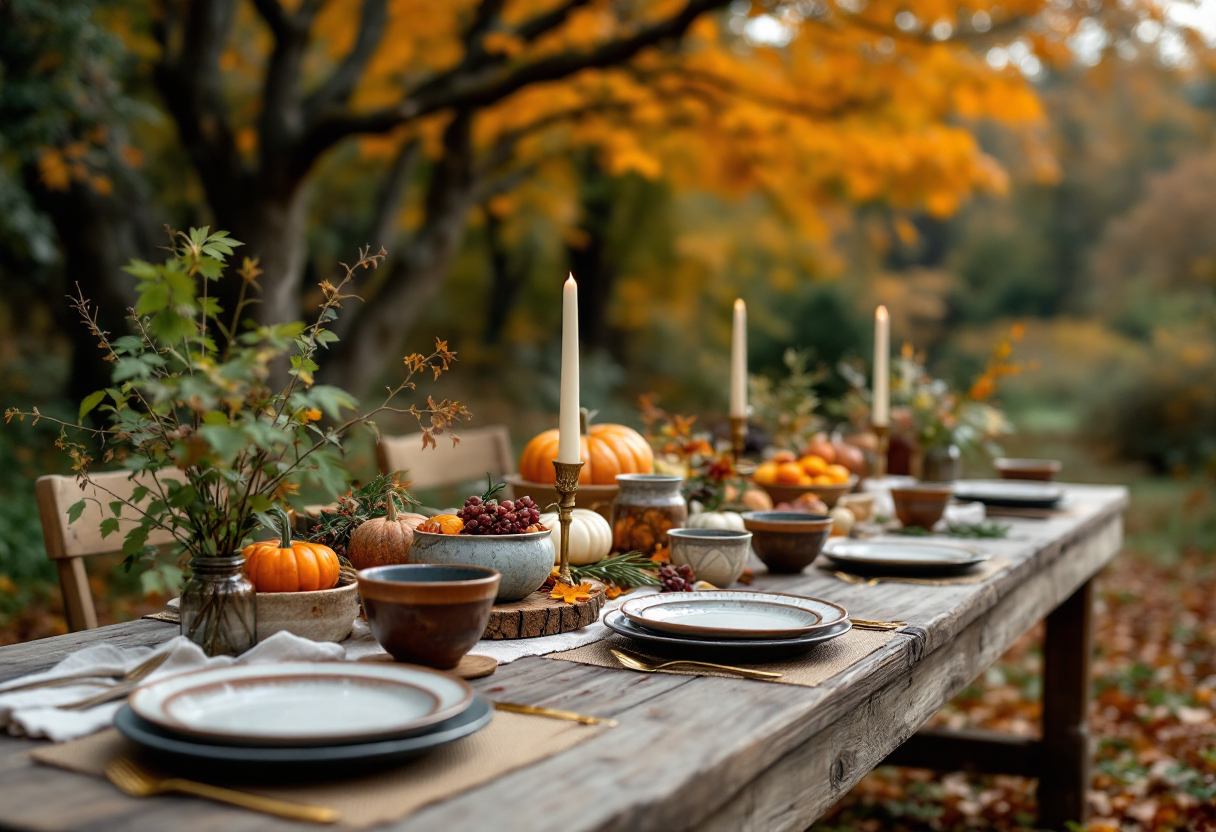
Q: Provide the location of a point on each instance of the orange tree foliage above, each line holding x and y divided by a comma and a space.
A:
471, 102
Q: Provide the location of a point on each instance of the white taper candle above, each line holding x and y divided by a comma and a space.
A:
738, 362
880, 415
568, 443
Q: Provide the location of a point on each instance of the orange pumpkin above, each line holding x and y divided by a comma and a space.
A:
443, 524
285, 565
607, 450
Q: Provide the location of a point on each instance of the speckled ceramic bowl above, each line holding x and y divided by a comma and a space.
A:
787, 541
715, 555
524, 560
323, 615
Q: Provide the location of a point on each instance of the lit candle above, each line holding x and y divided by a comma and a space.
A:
881, 410
738, 362
568, 442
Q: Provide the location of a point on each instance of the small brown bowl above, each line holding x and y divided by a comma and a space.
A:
787, 541
1042, 470
785, 493
922, 504
428, 614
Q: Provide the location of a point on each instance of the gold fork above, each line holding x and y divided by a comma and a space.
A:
570, 716
634, 663
119, 691
133, 780
135, 674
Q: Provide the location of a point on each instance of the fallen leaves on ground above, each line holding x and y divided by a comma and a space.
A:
1151, 719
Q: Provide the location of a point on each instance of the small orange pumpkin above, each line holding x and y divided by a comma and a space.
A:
607, 450
443, 524
285, 565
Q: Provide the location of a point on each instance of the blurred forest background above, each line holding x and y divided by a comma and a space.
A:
966, 162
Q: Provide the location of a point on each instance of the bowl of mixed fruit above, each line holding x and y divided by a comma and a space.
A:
504, 535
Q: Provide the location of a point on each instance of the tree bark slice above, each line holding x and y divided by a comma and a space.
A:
540, 615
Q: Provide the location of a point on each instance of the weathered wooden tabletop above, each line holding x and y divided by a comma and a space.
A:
690, 752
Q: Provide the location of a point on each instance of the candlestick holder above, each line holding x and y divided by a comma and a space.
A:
881, 434
738, 435
566, 487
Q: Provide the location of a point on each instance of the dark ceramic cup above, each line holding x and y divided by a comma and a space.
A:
787, 541
923, 504
426, 614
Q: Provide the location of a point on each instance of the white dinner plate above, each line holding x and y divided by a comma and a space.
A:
727, 614
919, 555
302, 703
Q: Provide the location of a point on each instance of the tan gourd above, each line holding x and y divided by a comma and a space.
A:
383, 541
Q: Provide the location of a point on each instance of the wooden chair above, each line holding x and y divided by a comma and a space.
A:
69, 543
481, 451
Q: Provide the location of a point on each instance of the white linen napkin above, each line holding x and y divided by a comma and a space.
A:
32, 713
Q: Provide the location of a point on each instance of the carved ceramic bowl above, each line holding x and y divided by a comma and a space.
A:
715, 555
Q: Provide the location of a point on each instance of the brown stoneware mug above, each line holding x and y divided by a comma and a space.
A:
923, 504
428, 614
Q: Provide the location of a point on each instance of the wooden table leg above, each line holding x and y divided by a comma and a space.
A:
1066, 755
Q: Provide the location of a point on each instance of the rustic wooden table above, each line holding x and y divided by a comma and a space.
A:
712, 753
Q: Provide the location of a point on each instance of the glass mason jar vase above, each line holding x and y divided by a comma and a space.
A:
648, 505
942, 464
219, 606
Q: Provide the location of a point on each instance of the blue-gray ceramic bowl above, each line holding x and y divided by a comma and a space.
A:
524, 560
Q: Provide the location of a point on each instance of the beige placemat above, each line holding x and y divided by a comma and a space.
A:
820, 663
981, 573
509, 742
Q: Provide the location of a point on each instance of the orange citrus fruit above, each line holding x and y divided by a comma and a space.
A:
790, 472
838, 473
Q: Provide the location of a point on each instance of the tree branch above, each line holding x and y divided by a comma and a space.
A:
338, 87
486, 86
541, 24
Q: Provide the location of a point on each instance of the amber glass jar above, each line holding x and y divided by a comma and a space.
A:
647, 507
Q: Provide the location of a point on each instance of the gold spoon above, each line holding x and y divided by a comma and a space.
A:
133, 780
634, 663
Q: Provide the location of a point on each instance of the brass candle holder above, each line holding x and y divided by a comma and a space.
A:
566, 487
738, 435
881, 434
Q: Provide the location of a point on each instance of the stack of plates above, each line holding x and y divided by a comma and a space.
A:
743, 626
301, 716
1009, 494
901, 556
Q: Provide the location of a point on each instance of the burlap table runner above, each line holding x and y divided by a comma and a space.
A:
820, 663
509, 742
980, 574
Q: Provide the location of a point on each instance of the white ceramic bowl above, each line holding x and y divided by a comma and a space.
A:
524, 560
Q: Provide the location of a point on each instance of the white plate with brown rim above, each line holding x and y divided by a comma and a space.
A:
302, 703
903, 555
732, 614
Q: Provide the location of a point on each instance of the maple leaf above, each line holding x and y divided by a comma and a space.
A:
571, 594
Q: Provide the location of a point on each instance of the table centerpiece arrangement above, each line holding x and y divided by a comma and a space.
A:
221, 421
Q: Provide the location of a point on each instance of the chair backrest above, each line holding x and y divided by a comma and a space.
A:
481, 451
67, 543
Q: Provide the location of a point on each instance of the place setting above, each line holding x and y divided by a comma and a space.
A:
870, 561
767, 636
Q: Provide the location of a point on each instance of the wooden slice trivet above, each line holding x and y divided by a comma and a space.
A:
540, 615
470, 667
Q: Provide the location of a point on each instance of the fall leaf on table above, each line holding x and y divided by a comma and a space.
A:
613, 592
571, 594
661, 555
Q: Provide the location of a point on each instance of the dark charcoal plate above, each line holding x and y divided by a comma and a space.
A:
269, 763
1009, 493
739, 651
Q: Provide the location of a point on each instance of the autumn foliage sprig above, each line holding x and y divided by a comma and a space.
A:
211, 433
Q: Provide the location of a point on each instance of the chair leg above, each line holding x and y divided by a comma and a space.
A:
1065, 774
77, 596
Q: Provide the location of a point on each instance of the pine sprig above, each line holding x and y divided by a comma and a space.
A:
626, 570
361, 504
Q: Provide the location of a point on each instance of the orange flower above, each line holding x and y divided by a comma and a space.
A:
312, 415
571, 594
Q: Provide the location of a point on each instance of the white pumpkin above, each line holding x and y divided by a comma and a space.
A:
842, 521
717, 520
590, 536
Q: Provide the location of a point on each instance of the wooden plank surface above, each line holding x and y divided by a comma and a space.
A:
690, 751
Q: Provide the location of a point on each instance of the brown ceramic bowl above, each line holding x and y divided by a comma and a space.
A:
922, 504
428, 614
1043, 470
787, 541
784, 493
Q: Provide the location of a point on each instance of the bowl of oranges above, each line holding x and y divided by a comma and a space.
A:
787, 477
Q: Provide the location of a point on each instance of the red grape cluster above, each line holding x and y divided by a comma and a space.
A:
492, 517
675, 578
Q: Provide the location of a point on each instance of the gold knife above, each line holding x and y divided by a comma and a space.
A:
581, 719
